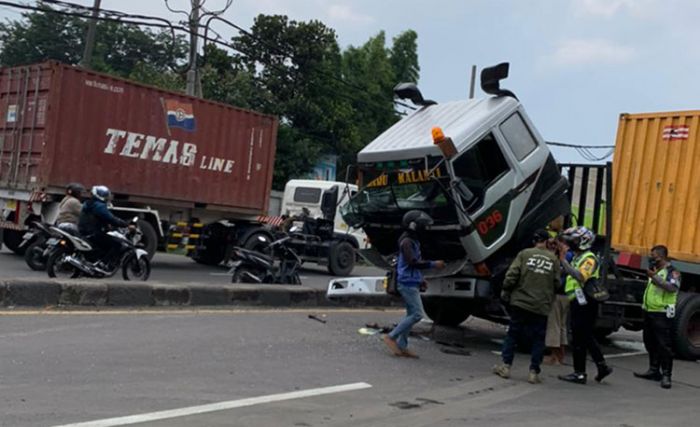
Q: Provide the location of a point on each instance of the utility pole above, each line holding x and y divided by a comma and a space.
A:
194, 86
473, 82
90, 38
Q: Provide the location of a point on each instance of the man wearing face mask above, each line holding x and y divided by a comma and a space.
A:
659, 310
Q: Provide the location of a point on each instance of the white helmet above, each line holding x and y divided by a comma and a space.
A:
100, 192
579, 237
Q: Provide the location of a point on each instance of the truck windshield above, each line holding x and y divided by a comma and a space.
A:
390, 191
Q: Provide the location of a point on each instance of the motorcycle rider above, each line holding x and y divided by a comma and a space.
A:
70, 207
95, 221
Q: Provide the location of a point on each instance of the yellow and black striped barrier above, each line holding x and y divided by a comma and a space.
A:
184, 237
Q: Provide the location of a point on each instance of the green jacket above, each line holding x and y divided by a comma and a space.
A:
532, 280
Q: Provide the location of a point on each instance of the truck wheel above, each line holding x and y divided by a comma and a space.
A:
686, 327
341, 259
446, 313
149, 240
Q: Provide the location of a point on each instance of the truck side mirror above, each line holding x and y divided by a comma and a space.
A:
329, 202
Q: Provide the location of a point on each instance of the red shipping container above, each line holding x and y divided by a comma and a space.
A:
61, 124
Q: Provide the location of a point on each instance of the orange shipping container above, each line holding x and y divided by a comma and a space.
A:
656, 184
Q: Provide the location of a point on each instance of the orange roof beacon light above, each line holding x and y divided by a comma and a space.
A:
444, 143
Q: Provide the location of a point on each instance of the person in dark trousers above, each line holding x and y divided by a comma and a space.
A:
529, 288
95, 221
659, 307
410, 280
585, 266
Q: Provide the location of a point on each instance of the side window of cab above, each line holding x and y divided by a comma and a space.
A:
481, 166
518, 136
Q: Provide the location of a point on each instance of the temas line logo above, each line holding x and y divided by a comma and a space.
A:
180, 115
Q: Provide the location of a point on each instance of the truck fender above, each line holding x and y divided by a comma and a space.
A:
343, 237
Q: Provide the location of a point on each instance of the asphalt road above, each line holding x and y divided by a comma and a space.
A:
273, 368
174, 269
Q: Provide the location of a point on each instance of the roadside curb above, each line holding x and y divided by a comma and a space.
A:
93, 293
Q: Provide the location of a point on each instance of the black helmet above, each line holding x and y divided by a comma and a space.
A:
75, 189
416, 220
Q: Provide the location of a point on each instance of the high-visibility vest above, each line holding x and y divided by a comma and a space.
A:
571, 283
657, 299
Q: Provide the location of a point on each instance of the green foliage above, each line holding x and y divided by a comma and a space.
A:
120, 49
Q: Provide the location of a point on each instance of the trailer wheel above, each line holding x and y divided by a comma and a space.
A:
446, 313
686, 327
149, 238
341, 259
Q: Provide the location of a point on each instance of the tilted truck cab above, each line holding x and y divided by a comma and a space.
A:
486, 199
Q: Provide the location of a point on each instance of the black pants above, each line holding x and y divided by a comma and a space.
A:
657, 340
525, 325
107, 247
583, 319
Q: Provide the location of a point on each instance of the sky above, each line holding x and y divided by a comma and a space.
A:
575, 64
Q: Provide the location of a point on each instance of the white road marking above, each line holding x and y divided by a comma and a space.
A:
221, 406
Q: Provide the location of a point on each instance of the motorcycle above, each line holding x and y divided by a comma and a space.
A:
256, 267
36, 243
72, 256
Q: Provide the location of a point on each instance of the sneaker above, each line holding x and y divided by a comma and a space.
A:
650, 374
502, 370
534, 378
603, 371
393, 347
408, 353
574, 377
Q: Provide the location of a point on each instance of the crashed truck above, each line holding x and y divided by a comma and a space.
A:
487, 191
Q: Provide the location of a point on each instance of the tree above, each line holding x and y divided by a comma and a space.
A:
297, 77
123, 50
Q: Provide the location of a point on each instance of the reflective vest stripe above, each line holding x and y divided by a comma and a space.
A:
657, 299
571, 283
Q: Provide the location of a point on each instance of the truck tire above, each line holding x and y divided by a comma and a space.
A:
341, 259
213, 237
446, 313
149, 240
686, 327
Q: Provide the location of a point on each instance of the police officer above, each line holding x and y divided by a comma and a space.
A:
584, 266
659, 310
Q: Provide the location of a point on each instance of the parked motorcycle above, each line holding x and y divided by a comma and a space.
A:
256, 267
72, 256
35, 243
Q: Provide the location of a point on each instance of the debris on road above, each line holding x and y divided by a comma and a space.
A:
318, 319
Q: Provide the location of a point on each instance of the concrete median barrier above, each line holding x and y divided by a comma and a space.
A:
106, 293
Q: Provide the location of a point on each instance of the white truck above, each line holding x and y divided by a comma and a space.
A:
486, 197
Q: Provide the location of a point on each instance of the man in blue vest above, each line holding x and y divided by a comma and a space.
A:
659, 307
410, 280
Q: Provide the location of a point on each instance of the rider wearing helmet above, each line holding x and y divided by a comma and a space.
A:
70, 206
96, 219
410, 280
584, 266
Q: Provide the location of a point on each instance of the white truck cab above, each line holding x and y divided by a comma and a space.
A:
308, 193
